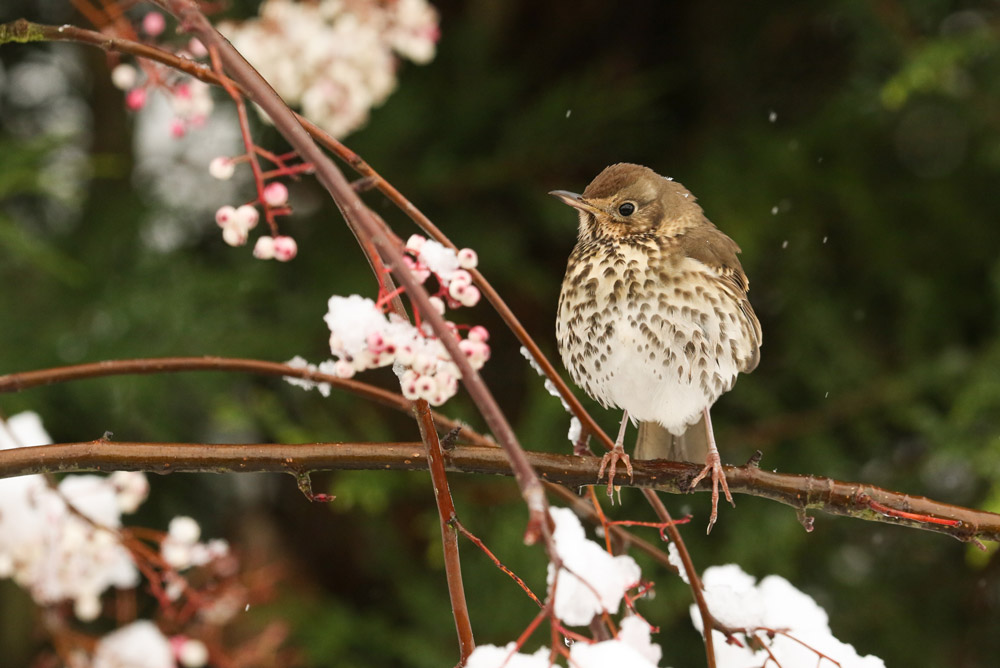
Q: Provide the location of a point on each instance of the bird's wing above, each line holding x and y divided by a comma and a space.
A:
710, 246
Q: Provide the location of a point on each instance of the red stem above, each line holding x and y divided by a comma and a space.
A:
707, 620
449, 537
496, 562
248, 142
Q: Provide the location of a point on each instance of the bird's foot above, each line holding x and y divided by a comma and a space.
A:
713, 465
610, 460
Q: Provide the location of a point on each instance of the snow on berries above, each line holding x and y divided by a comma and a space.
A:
364, 335
425, 257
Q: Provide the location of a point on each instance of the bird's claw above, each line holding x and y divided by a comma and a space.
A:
610, 460
713, 466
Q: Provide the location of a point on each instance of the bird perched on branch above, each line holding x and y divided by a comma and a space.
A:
653, 316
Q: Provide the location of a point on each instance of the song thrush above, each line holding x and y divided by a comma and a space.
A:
653, 316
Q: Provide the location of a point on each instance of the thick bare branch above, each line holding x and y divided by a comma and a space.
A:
803, 492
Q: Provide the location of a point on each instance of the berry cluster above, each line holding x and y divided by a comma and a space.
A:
191, 99
65, 543
236, 222
363, 336
333, 59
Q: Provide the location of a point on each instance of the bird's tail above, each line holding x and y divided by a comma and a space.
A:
655, 442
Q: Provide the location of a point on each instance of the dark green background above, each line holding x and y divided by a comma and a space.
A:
876, 281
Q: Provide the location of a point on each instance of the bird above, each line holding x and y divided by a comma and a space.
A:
653, 316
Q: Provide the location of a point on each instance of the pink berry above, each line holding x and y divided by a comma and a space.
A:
275, 194
285, 248
225, 215
135, 99
375, 342
422, 363
404, 354
343, 369
234, 234
467, 258
408, 384
470, 296
222, 168
247, 216
426, 387
153, 24
264, 249
124, 76
479, 333
196, 48
421, 273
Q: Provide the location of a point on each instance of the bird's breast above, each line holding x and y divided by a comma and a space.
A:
648, 331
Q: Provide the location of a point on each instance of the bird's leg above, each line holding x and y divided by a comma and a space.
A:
713, 465
615, 455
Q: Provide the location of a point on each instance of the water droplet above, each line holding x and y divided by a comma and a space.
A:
772, 116
824, 239
826, 396
784, 244
774, 210
568, 112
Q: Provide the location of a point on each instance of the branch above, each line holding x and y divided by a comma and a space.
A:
449, 535
15, 382
694, 580
369, 228
26, 31
802, 492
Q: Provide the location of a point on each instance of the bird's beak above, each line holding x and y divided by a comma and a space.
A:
576, 201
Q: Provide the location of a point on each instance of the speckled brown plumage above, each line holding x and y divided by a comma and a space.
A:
653, 316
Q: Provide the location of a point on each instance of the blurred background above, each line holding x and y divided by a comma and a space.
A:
852, 149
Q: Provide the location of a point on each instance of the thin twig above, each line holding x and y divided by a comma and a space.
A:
248, 142
496, 562
15, 382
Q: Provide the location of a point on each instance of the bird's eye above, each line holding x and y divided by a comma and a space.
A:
626, 209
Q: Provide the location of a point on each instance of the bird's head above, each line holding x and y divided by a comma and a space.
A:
626, 199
